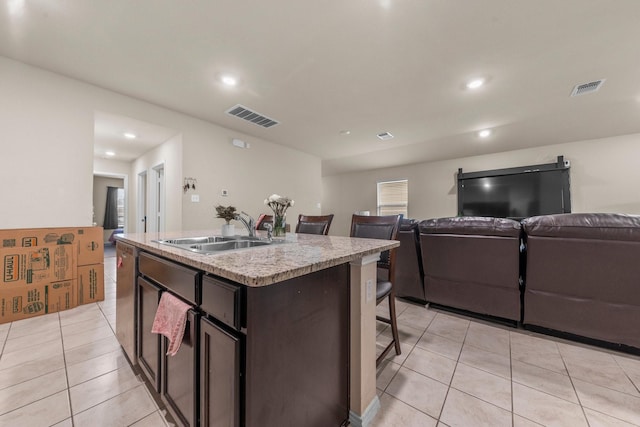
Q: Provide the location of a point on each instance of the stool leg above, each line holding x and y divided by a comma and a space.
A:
392, 317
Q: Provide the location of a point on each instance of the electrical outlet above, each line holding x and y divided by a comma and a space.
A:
224, 193
195, 198
369, 290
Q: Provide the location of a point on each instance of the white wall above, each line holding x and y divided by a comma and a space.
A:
46, 166
169, 157
604, 178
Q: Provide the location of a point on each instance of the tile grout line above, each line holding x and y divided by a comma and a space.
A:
66, 372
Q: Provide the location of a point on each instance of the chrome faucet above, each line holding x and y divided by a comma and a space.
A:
269, 228
250, 225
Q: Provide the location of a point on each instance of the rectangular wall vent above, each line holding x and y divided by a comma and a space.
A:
587, 87
244, 113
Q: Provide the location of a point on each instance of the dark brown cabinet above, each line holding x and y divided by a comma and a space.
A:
178, 387
148, 343
220, 377
251, 356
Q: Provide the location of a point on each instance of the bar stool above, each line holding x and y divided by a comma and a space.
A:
382, 227
310, 224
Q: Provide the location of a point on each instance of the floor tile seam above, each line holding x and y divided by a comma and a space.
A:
31, 403
93, 378
84, 331
506, 356
484, 400
133, 373
140, 419
66, 376
610, 416
588, 381
566, 373
92, 345
111, 398
582, 407
453, 374
485, 370
389, 361
93, 357
108, 323
138, 383
546, 392
420, 373
83, 318
579, 405
30, 379
636, 386
90, 341
36, 400
54, 338
440, 354
418, 409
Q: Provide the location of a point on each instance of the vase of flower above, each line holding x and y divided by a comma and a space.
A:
227, 213
279, 225
279, 206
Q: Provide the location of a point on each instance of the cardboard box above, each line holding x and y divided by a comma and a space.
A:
90, 283
39, 264
25, 301
89, 240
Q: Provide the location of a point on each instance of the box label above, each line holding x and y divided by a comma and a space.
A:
11, 264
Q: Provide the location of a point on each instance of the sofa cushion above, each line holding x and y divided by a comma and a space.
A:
472, 225
597, 226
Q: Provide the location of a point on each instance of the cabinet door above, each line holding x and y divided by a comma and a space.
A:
179, 375
148, 343
220, 379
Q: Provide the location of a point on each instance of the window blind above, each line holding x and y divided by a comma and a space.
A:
393, 197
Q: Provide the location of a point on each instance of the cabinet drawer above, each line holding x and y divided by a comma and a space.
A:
177, 278
221, 300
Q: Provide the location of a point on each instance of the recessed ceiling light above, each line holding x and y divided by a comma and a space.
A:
229, 80
384, 136
345, 132
110, 153
130, 135
475, 83
484, 133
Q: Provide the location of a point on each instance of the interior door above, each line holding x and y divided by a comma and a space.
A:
142, 203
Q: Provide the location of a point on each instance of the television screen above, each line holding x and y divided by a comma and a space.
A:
514, 195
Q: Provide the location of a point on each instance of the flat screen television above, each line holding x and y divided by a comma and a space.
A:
516, 193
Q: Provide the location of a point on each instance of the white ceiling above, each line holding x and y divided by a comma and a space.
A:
367, 66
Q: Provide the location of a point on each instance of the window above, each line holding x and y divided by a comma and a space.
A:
393, 197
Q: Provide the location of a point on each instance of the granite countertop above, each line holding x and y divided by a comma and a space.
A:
300, 254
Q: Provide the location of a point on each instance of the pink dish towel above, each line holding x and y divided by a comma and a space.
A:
171, 321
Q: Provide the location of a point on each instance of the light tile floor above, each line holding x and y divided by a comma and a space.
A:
67, 369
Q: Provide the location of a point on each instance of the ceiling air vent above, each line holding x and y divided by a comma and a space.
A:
587, 87
244, 113
384, 136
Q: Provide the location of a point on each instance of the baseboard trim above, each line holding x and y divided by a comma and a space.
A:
367, 416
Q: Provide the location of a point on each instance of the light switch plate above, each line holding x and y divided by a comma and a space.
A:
195, 198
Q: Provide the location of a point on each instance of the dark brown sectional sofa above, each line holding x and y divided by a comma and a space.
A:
575, 274
583, 275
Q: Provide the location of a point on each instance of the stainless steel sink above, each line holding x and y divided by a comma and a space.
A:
227, 246
193, 240
214, 244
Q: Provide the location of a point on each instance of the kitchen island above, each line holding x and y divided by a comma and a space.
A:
282, 334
